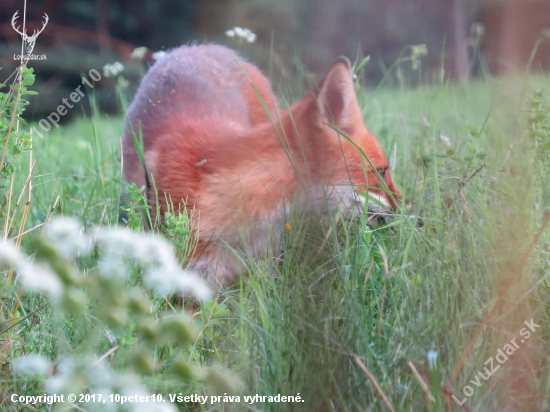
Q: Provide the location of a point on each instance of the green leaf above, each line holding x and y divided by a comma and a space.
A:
28, 79
363, 63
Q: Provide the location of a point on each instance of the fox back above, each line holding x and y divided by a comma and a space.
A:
208, 83
215, 139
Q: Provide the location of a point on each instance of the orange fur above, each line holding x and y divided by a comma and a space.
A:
208, 141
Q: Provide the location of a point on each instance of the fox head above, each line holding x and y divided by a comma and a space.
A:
348, 157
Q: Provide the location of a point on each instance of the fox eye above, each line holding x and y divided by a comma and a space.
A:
382, 172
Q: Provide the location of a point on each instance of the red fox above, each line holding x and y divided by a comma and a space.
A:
215, 138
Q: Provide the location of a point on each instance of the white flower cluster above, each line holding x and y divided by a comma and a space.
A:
116, 247
432, 359
445, 140
477, 31
54, 272
158, 55
417, 51
74, 373
241, 33
33, 276
69, 238
163, 274
112, 70
139, 53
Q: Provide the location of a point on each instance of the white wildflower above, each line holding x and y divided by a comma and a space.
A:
74, 373
167, 282
417, 51
139, 53
445, 140
99, 373
34, 277
116, 242
146, 249
113, 70
67, 376
163, 272
242, 33
155, 249
107, 70
10, 255
111, 267
432, 359
31, 365
477, 29
71, 241
39, 278
251, 38
158, 55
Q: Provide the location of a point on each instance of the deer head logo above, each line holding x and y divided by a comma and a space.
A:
29, 41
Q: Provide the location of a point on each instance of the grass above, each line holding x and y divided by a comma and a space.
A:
347, 316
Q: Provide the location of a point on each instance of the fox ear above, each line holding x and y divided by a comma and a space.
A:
336, 99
